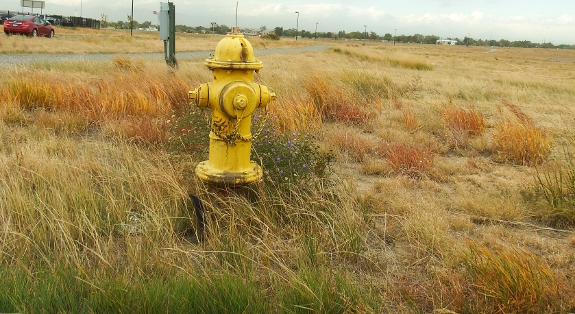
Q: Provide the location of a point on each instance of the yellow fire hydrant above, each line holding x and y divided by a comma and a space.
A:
232, 96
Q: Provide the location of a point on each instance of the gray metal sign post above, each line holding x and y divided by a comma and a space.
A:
167, 18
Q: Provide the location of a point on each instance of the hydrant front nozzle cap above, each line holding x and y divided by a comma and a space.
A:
272, 96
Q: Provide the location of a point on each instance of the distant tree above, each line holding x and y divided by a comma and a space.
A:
289, 32
373, 36
120, 24
222, 29
279, 31
146, 24
388, 37
263, 28
430, 39
504, 43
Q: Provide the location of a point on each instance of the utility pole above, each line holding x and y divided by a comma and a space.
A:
395, 37
315, 31
364, 34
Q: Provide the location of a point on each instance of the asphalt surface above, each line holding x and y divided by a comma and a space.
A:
29, 58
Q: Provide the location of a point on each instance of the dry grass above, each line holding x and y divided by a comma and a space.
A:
414, 161
292, 116
410, 119
462, 120
119, 41
512, 281
335, 103
356, 146
95, 190
126, 91
520, 141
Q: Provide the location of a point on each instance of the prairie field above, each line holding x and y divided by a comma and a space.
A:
397, 179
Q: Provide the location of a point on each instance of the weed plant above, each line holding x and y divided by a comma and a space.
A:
190, 132
289, 157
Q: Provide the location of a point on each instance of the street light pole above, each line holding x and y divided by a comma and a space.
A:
297, 25
315, 31
395, 37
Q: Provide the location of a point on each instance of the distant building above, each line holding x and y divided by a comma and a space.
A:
446, 42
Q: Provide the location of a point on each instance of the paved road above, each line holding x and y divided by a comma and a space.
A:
25, 58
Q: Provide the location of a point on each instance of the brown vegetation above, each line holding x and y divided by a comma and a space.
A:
96, 172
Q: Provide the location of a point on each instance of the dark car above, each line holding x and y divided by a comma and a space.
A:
28, 25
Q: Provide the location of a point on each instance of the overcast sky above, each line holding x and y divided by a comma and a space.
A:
533, 20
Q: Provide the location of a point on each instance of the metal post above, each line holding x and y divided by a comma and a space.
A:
315, 31
172, 35
132, 19
297, 25
395, 37
364, 34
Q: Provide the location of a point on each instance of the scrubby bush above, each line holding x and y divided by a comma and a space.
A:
270, 36
288, 157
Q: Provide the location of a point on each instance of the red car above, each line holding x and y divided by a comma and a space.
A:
28, 25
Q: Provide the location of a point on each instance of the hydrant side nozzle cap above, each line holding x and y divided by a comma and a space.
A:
192, 94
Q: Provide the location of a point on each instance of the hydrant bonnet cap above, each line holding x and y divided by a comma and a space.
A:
234, 52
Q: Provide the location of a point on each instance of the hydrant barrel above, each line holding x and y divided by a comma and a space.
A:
232, 97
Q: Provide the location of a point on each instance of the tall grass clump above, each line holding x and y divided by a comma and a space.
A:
127, 91
410, 119
519, 140
335, 103
401, 63
414, 161
370, 88
460, 120
511, 281
556, 185
291, 116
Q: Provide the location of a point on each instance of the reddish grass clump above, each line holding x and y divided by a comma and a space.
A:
410, 160
335, 103
462, 120
410, 119
511, 281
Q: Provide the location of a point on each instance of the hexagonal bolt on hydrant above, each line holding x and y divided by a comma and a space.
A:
232, 96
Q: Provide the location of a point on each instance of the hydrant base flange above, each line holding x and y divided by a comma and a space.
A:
213, 175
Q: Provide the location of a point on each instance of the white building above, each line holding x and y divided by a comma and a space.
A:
446, 42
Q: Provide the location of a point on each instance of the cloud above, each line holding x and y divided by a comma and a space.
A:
457, 18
